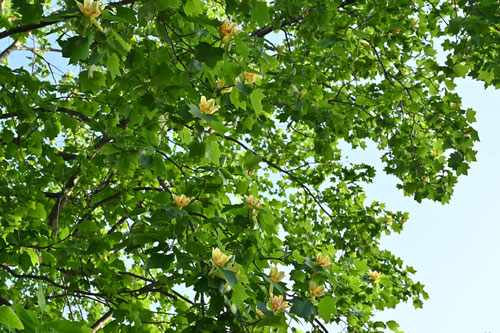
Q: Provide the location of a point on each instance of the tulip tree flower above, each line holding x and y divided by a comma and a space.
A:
251, 77
208, 107
275, 275
91, 9
280, 49
374, 275
222, 86
278, 303
316, 290
323, 261
228, 29
219, 258
252, 202
181, 200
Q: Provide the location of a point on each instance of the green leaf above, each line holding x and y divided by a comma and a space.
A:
393, 325
486, 76
88, 225
158, 260
239, 295
471, 116
28, 317
243, 48
379, 324
272, 321
38, 212
213, 152
461, 70
145, 159
165, 4
219, 127
267, 222
303, 308
237, 99
94, 83
193, 8
33, 256
30, 13
197, 149
260, 13
41, 297
256, 97
361, 265
243, 88
229, 276
67, 326
251, 161
9, 318
298, 258
113, 64
76, 48
329, 42
126, 13
209, 54
327, 308
120, 40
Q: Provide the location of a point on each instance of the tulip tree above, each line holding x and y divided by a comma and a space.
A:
189, 176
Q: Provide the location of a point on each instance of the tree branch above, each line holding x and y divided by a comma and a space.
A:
37, 49
11, 48
46, 279
26, 28
102, 321
70, 112
95, 206
264, 31
53, 220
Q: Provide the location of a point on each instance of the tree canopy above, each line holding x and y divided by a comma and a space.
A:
189, 175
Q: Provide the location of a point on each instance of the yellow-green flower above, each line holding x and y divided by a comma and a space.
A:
219, 258
228, 29
223, 88
278, 303
316, 290
275, 275
208, 107
181, 200
323, 261
374, 275
91, 9
252, 202
251, 77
